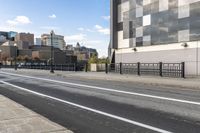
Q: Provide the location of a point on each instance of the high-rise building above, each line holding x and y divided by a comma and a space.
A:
24, 40
58, 41
156, 31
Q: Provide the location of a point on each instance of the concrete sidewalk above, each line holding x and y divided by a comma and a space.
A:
188, 83
15, 118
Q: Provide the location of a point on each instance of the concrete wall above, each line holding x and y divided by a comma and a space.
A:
172, 53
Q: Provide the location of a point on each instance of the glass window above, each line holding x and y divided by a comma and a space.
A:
139, 42
173, 4
146, 2
146, 40
183, 35
163, 5
139, 12
146, 9
184, 11
132, 42
147, 30
146, 20
139, 22
126, 27
139, 32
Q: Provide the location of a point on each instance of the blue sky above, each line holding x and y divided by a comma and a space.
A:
84, 21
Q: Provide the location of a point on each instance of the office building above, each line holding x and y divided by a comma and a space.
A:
58, 41
24, 40
156, 31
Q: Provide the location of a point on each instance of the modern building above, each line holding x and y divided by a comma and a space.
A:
7, 36
24, 40
58, 41
38, 41
156, 31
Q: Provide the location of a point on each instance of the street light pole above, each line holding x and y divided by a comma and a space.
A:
15, 57
52, 70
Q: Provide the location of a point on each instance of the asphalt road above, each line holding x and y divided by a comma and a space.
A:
100, 106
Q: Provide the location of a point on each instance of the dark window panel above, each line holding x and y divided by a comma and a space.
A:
126, 26
139, 3
132, 15
132, 4
195, 9
139, 42
195, 30
147, 9
173, 14
120, 26
173, 4
132, 31
139, 22
173, 37
154, 7
184, 23
146, 30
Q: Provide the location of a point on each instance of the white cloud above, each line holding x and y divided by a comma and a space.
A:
19, 20
53, 16
100, 29
106, 17
50, 27
75, 38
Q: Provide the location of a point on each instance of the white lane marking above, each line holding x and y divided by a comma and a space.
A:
110, 90
90, 109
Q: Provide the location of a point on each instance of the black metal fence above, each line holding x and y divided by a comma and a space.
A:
158, 69
66, 67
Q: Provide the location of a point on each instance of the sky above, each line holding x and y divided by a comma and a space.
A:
83, 21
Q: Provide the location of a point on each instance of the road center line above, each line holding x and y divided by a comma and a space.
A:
90, 109
107, 89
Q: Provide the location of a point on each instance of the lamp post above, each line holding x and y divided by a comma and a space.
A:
52, 70
15, 56
0, 58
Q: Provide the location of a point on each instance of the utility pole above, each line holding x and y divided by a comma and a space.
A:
52, 70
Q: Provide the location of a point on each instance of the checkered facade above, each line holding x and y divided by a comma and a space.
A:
156, 22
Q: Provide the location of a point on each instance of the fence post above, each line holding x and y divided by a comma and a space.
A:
106, 68
183, 69
86, 67
120, 68
161, 69
138, 69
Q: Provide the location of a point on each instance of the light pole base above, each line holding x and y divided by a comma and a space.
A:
52, 71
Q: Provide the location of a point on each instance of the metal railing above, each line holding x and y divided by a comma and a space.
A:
157, 69
65, 67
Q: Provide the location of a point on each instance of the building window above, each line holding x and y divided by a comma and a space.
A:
139, 32
183, 35
184, 11
146, 2
163, 5
139, 12
146, 20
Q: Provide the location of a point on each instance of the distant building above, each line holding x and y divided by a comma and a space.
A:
58, 41
44, 53
83, 53
24, 40
7, 36
38, 41
8, 53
